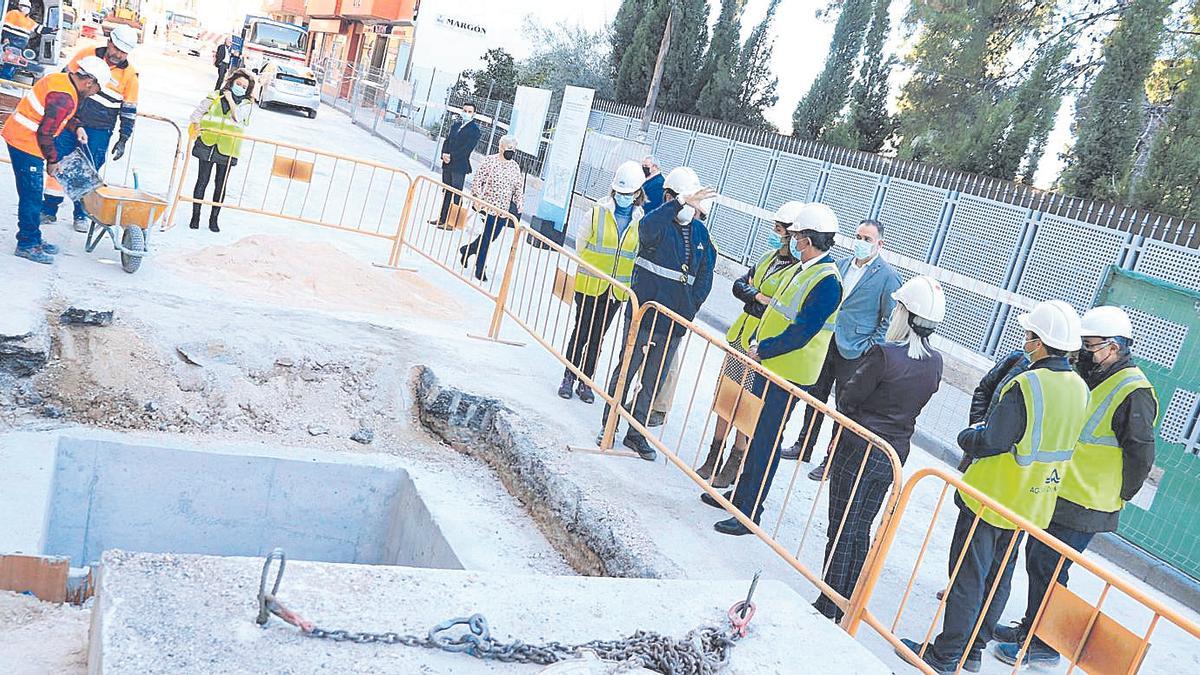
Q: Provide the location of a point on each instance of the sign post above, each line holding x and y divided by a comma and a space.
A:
558, 175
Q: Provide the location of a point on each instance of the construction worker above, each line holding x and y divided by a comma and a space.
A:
99, 115
46, 110
795, 332
1112, 459
1020, 456
609, 244
755, 289
18, 29
674, 267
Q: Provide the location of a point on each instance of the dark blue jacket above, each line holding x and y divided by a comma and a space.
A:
653, 187
94, 114
822, 301
459, 144
660, 242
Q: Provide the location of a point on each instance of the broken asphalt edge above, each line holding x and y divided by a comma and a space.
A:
580, 527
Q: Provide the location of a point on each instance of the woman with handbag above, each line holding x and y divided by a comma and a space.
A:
222, 117
498, 182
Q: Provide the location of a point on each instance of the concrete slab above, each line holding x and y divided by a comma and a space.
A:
165, 613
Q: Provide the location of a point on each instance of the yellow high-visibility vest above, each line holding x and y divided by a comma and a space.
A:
801, 366
1027, 478
216, 127
768, 284
1097, 467
608, 251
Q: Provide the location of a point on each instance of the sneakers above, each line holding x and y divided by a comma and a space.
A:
1014, 632
584, 392
81, 224
565, 390
818, 472
49, 249
48, 218
656, 419
792, 452
1038, 654
640, 446
973, 664
35, 254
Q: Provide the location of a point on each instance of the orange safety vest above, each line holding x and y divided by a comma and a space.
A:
18, 24
122, 88
20, 130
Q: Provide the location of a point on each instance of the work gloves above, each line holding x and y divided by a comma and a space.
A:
118, 149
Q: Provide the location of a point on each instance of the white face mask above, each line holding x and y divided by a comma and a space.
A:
685, 215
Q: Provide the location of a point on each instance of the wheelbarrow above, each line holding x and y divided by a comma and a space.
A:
125, 215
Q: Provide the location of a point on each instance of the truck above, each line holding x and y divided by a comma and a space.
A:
40, 55
263, 40
183, 33
124, 12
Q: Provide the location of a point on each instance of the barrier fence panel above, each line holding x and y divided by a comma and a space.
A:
303, 184
1079, 623
156, 144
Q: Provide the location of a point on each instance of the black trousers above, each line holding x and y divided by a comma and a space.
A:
845, 562
456, 180
1040, 561
980, 567
654, 346
593, 316
835, 373
203, 175
221, 69
493, 227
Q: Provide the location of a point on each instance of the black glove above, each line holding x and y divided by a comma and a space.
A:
118, 149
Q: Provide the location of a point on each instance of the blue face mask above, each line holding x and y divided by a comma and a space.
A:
863, 249
238, 90
795, 249
774, 241
623, 201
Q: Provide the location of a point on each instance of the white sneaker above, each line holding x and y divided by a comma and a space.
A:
81, 224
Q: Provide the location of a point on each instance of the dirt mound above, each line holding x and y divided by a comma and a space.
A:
39, 637
284, 271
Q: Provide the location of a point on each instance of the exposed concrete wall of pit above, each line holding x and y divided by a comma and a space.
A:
596, 538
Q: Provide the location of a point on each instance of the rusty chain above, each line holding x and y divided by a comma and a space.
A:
702, 651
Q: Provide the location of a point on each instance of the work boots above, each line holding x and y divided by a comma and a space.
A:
729, 471
584, 392
195, 221
709, 467
566, 389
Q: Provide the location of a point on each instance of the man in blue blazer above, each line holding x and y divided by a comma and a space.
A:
456, 157
868, 282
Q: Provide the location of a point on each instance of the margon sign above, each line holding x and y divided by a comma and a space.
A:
451, 22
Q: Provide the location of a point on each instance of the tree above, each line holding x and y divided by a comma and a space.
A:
566, 54
869, 124
716, 78
620, 37
1030, 110
756, 90
817, 113
1171, 183
498, 77
1110, 115
636, 64
688, 43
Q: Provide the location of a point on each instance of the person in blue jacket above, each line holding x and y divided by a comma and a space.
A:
653, 186
456, 158
674, 268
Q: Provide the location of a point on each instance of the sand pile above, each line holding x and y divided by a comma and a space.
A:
283, 271
40, 637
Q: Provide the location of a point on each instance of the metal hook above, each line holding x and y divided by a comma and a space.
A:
264, 611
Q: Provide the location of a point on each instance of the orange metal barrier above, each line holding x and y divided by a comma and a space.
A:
1077, 628
306, 185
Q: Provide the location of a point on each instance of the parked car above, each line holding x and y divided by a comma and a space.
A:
289, 85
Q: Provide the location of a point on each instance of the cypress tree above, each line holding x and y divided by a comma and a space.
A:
1171, 183
689, 38
716, 76
636, 66
1030, 110
621, 36
756, 90
1110, 115
870, 124
817, 113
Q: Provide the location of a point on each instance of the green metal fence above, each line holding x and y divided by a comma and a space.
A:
1164, 519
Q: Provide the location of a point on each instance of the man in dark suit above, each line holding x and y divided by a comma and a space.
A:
456, 157
868, 282
222, 59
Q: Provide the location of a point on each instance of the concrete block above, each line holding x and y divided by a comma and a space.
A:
189, 614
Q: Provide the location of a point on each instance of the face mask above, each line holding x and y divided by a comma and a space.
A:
863, 249
238, 90
685, 215
774, 241
796, 249
623, 201
646, 170
1030, 355
509, 154
467, 117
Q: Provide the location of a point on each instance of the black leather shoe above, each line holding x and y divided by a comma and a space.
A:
641, 447
732, 526
707, 499
1014, 632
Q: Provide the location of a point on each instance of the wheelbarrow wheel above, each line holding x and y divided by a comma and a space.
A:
134, 239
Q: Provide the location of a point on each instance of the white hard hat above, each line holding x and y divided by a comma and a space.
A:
1056, 323
815, 216
629, 178
95, 67
788, 212
923, 297
24, 4
682, 181
1106, 321
124, 38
